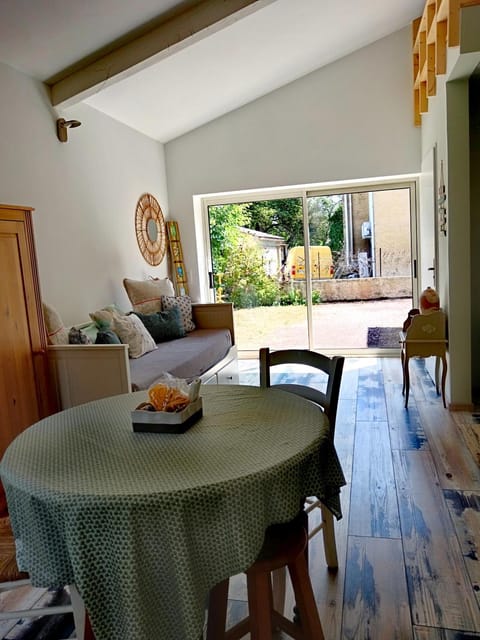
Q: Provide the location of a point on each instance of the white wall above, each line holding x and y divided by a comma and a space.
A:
351, 119
84, 193
447, 125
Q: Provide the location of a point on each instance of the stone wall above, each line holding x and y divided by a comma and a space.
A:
341, 290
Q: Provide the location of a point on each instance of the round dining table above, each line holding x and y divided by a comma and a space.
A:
144, 524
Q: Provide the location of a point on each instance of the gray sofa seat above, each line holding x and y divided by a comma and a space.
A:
187, 357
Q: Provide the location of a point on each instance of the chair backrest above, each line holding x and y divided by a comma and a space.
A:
426, 327
332, 367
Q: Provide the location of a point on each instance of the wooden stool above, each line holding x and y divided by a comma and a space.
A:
284, 545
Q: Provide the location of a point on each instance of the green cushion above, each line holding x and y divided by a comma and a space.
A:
107, 336
90, 329
163, 325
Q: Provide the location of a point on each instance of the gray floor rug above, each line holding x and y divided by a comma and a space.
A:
383, 337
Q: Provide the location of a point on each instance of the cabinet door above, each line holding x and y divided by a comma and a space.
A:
20, 337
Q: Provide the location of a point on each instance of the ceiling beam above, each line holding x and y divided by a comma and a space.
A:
168, 37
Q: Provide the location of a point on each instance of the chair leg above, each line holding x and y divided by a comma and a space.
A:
302, 587
79, 613
406, 374
217, 611
444, 377
437, 377
329, 543
88, 629
402, 357
260, 591
279, 583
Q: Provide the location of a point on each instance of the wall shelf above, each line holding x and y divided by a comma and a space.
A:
436, 29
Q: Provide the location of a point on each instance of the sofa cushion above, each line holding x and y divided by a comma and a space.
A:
104, 317
187, 357
184, 303
77, 336
107, 336
132, 331
163, 325
145, 295
57, 333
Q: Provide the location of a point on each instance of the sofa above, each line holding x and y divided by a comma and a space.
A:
89, 371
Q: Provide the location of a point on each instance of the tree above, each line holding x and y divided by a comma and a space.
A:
325, 215
224, 233
279, 217
239, 258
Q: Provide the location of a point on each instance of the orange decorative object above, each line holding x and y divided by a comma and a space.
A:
165, 398
429, 301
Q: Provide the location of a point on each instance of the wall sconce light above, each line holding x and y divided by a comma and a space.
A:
63, 125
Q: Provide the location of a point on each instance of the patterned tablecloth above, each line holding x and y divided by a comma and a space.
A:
145, 524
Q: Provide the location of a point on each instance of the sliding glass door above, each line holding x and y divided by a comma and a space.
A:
325, 270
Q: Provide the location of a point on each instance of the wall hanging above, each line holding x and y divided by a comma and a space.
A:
150, 229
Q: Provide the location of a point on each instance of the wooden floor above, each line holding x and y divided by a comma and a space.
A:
409, 538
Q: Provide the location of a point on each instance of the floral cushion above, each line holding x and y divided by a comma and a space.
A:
132, 331
184, 303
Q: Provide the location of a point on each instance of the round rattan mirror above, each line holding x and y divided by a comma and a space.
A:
150, 229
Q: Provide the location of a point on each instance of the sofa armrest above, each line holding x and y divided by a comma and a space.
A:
214, 315
82, 373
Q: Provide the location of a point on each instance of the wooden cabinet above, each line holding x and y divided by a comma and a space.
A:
25, 393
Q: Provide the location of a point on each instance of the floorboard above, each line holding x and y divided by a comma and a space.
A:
441, 593
374, 509
376, 603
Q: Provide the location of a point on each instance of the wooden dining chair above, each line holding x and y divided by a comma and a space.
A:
12, 578
425, 336
327, 400
284, 547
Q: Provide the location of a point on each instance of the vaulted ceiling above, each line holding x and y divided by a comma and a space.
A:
165, 67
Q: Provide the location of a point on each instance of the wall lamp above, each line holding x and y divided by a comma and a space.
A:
63, 125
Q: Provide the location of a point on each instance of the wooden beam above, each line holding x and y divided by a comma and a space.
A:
163, 40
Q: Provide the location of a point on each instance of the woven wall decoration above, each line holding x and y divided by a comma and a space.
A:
150, 229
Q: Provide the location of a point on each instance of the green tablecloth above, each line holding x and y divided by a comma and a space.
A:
145, 524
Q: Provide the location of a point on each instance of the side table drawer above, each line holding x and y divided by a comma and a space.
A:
229, 373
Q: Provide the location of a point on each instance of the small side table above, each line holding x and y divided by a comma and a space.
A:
425, 337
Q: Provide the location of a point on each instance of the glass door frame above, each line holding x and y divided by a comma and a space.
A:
201, 217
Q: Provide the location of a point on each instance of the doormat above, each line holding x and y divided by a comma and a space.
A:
383, 337
48, 627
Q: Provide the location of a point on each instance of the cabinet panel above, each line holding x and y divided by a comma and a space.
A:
25, 394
